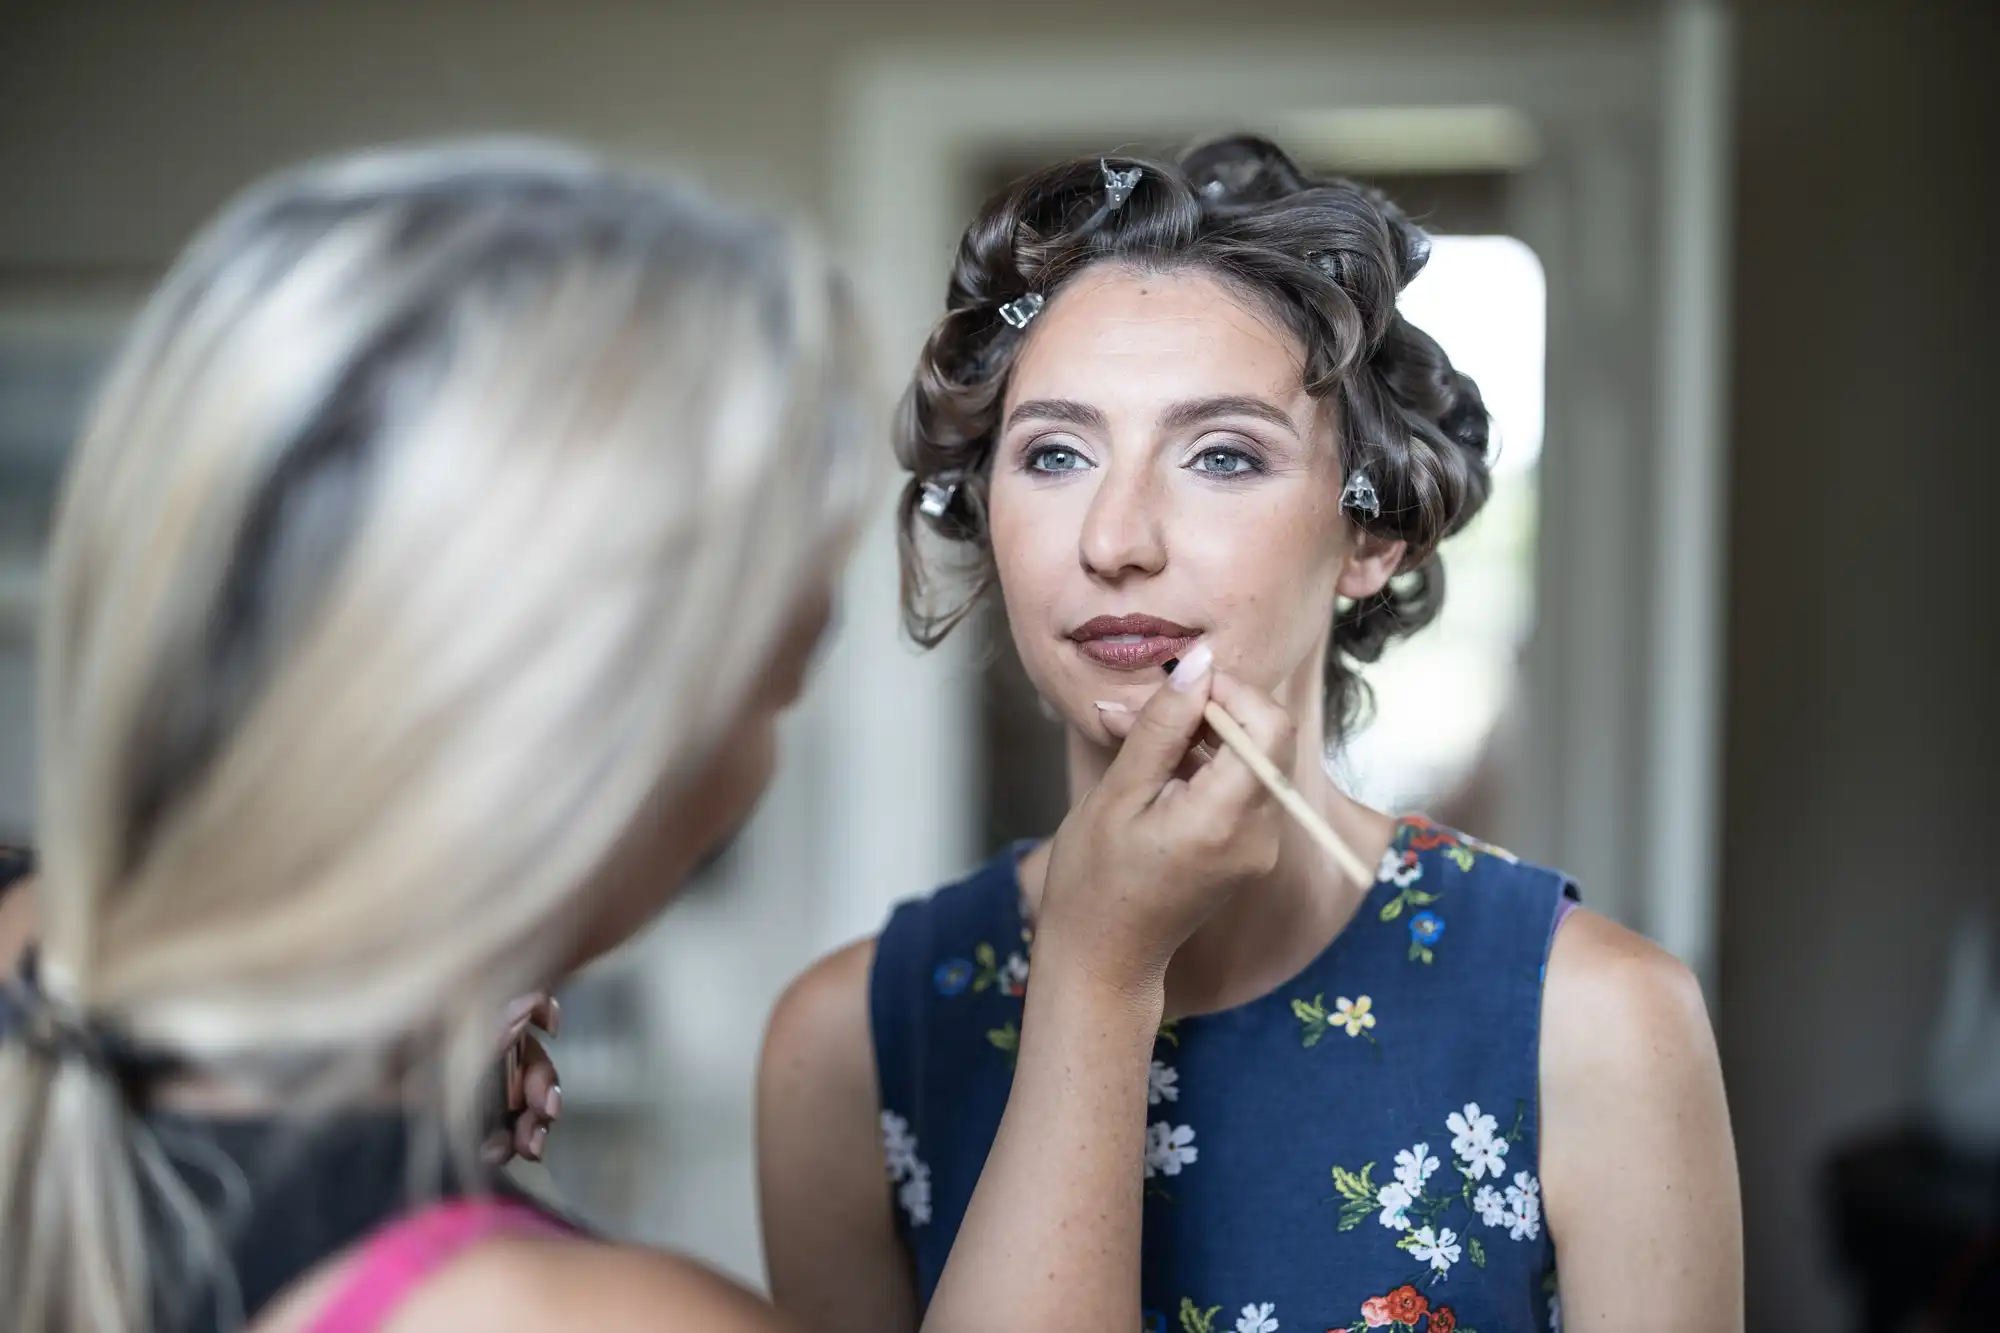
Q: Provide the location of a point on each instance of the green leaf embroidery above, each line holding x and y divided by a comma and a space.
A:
1420, 898
1520, 1113
1477, 1251
1420, 954
988, 973
1006, 1039
1393, 908
1461, 855
1312, 1014
1196, 1320
1170, 1032
1357, 1193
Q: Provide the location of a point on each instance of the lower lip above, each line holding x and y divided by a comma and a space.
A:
1134, 654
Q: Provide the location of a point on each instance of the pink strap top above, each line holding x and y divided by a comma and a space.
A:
397, 1259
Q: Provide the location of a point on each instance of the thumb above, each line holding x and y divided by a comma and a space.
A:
1162, 731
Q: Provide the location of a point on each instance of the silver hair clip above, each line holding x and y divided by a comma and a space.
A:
938, 496
1358, 496
1327, 262
1120, 184
1021, 310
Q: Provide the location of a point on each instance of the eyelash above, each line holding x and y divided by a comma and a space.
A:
1252, 465
1031, 461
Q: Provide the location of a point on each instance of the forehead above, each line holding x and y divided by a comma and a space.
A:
1116, 335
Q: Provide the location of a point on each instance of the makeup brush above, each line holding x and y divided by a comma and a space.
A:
1237, 739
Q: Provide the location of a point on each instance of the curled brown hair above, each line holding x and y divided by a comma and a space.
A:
1327, 256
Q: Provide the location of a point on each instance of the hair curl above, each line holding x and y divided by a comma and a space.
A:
1327, 255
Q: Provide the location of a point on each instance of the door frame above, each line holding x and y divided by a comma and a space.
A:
1623, 194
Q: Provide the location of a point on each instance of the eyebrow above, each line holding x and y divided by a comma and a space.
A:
1197, 410
1180, 416
1066, 410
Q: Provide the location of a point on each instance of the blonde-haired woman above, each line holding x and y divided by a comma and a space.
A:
449, 535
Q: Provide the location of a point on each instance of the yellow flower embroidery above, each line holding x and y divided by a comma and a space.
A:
1353, 1015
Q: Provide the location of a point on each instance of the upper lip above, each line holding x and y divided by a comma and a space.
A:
1151, 627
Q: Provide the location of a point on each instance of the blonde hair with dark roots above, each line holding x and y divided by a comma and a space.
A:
436, 519
1327, 256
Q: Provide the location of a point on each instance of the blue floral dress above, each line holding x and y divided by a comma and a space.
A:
1355, 1150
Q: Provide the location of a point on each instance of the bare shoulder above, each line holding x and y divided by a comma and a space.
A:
819, 1028
830, 1240
1638, 1164
1617, 1004
532, 1285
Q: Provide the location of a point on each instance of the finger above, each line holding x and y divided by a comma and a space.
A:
510, 1077
547, 1014
539, 1009
1118, 720
529, 1134
1230, 781
499, 1146
1257, 713
1162, 732
540, 1091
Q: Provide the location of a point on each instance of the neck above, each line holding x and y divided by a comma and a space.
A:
1271, 928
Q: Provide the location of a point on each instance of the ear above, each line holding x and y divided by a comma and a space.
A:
1371, 562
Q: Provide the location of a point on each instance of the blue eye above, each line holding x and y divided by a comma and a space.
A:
1219, 462
1056, 458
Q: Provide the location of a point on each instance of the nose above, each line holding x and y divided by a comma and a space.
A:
1122, 531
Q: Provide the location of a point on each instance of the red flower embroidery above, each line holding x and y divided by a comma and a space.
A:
1443, 1320
1375, 1310
1406, 1305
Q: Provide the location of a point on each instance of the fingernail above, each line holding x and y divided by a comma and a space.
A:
538, 1140
555, 1016
552, 1104
1187, 673
1106, 706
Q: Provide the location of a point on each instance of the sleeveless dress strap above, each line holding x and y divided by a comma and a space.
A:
403, 1254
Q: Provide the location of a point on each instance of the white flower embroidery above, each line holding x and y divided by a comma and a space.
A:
1257, 1319
915, 1195
1473, 1140
1160, 1081
1014, 974
1556, 1313
899, 1151
1353, 1015
1168, 1148
899, 1147
1492, 1209
1413, 1168
1399, 868
1395, 1199
1524, 1207
1440, 1251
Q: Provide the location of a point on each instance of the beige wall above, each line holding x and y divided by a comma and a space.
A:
124, 125
1862, 694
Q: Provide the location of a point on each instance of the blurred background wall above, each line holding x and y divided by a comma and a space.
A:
1852, 549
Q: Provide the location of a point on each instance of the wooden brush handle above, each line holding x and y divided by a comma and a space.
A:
1280, 786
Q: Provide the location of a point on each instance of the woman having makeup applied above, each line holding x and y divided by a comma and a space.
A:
1173, 416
